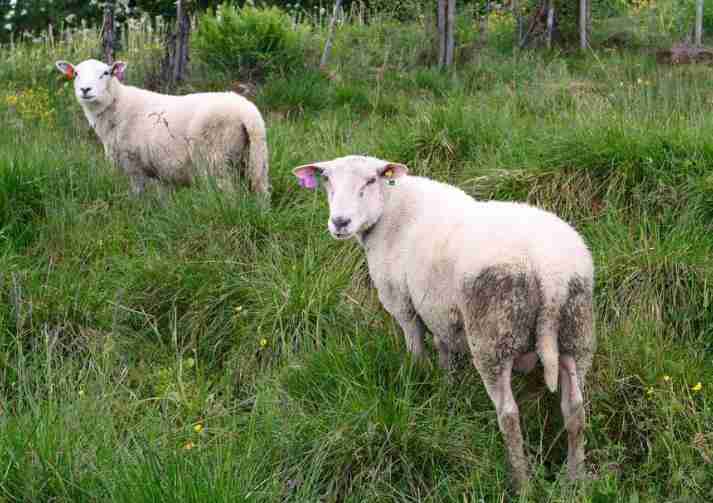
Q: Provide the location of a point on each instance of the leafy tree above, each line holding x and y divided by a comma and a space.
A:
34, 16
167, 8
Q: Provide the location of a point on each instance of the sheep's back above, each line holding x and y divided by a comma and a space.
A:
459, 237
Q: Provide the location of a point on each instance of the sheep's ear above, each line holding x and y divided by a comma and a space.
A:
308, 175
66, 68
117, 70
393, 170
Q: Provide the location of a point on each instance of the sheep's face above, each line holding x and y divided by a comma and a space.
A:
92, 80
355, 188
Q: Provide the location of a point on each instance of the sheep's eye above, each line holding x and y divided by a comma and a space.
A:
106, 73
370, 181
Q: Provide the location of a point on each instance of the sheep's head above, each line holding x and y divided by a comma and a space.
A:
355, 188
92, 80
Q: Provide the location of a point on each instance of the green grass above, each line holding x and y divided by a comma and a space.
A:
125, 323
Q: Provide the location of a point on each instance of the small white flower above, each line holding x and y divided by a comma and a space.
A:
8, 26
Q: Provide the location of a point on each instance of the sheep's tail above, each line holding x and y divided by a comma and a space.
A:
548, 352
258, 155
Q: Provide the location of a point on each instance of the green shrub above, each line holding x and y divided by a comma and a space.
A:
307, 92
251, 41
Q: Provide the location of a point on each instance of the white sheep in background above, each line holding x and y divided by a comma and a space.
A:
507, 281
154, 136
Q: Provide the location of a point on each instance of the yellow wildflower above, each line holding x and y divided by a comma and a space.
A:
697, 387
188, 446
263, 342
667, 378
198, 427
650, 391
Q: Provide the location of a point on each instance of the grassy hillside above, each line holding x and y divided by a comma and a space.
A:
197, 348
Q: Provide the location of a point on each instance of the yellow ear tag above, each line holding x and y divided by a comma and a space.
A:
389, 173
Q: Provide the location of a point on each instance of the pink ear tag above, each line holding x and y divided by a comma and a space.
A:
309, 182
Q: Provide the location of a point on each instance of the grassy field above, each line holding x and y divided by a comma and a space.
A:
198, 348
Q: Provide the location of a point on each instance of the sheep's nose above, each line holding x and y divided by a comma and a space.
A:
85, 90
341, 222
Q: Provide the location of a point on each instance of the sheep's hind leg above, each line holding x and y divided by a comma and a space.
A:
213, 170
573, 414
500, 392
577, 344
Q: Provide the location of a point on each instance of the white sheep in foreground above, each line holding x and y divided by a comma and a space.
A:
507, 281
154, 136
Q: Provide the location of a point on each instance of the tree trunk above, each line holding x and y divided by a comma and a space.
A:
175, 61
535, 17
483, 21
108, 32
550, 22
450, 32
446, 32
330, 35
183, 31
166, 73
442, 9
513, 9
583, 23
484, 24
698, 39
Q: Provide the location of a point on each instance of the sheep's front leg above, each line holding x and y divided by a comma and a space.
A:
414, 330
399, 306
444, 353
138, 184
137, 178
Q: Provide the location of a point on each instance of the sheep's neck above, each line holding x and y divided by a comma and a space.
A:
97, 117
385, 232
101, 124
